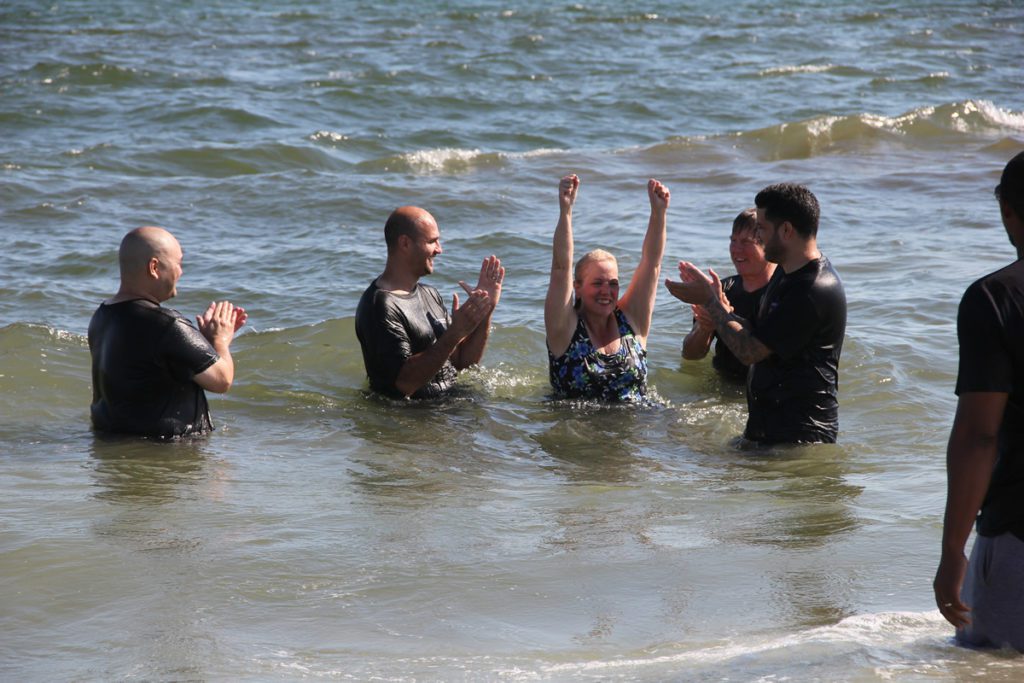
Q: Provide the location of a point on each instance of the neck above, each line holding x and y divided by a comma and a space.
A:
752, 283
798, 259
596, 322
397, 279
128, 292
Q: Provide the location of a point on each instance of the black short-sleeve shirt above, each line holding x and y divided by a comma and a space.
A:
792, 395
144, 359
990, 328
392, 327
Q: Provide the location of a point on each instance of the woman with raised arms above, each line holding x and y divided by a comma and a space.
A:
597, 342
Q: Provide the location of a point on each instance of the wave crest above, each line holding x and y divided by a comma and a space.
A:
441, 161
823, 134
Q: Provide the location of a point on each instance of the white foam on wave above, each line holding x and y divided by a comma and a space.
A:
796, 69
449, 159
442, 159
962, 116
328, 136
541, 152
1000, 117
900, 631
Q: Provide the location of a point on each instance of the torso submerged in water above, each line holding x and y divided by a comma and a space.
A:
584, 372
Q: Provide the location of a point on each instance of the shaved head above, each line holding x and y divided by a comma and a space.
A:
142, 244
405, 220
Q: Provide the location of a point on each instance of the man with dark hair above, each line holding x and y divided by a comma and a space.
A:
985, 455
794, 342
149, 364
411, 346
743, 291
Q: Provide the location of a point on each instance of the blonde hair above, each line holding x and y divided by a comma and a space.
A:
594, 256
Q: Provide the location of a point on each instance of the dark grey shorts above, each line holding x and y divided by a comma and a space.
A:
994, 590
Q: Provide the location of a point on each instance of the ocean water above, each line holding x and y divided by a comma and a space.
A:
324, 534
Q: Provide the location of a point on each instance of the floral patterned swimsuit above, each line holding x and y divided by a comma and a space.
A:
583, 372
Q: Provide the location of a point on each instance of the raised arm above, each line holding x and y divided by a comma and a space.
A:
638, 301
471, 350
559, 316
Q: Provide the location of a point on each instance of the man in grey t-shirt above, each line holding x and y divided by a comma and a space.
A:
411, 346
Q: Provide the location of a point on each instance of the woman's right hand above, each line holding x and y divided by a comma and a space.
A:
567, 189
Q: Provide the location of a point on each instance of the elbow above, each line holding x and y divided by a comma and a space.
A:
220, 385
690, 353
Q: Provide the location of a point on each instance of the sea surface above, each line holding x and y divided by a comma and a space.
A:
324, 534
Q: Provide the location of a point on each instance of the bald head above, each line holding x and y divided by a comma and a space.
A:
142, 244
405, 220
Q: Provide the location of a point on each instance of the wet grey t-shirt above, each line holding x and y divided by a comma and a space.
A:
392, 327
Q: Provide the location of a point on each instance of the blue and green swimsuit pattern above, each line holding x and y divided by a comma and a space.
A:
583, 372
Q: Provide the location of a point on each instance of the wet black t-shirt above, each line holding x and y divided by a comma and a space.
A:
144, 359
990, 327
744, 305
392, 327
792, 395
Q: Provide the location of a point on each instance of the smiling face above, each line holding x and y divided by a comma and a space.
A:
597, 285
425, 244
747, 253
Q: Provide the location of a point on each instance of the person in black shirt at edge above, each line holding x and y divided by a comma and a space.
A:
411, 346
794, 342
985, 455
743, 292
150, 365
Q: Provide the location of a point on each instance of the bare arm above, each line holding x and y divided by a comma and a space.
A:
559, 316
471, 350
970, 459
697, 343
218, 324
697, 288
420, 368
638, 301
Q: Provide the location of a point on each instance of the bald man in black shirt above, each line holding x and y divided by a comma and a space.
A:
411, 346
150, 365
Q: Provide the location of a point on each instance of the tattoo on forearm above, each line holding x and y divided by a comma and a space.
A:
737, 337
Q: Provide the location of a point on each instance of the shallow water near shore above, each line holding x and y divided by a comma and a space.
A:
322, 533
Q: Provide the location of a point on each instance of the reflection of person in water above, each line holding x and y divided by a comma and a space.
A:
984, 598
150, 365
411, 346
597, 342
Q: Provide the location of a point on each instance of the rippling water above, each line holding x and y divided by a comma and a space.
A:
322, 533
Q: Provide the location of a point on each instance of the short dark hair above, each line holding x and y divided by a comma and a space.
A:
399, 223
790, 202
1011, 185
745, 221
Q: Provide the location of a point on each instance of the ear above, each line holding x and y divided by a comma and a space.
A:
153, 268
1007, 211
